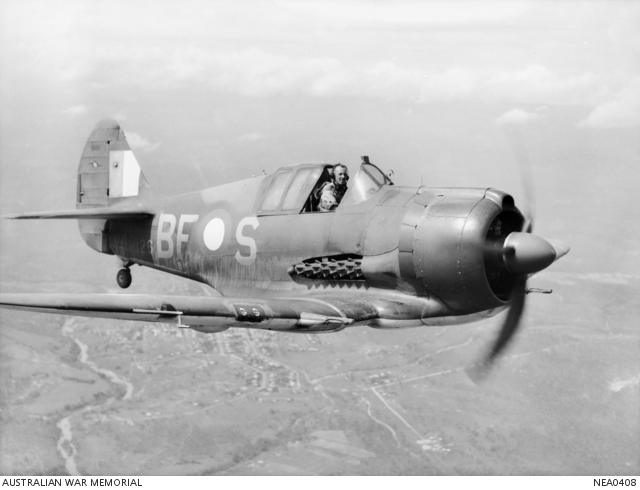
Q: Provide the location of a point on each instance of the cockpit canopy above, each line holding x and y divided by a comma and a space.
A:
295, 189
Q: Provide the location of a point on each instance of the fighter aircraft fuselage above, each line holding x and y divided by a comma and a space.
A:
412, 241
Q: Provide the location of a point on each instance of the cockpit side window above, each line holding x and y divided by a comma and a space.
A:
301, 184
274, 194
289, 189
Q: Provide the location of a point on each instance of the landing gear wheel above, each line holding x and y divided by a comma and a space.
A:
124, 278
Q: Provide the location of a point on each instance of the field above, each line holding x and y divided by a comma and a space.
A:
99, 397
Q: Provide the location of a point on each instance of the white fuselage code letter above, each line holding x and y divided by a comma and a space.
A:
164, 235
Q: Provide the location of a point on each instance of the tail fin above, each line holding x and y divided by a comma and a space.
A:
109, 174
110, 182
111, 186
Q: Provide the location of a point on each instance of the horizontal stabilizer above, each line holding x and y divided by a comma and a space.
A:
89, 213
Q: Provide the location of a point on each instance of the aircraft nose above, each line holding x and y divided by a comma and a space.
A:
525, 253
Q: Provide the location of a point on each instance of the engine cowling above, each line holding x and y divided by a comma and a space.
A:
449, 248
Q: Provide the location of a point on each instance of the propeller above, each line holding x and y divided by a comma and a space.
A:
520, 254
511, 323
514, 136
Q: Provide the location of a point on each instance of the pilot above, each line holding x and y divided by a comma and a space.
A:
332, 192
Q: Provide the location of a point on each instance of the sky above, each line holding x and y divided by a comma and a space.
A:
562, 53
459, 93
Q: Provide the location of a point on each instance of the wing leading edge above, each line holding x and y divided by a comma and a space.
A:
90, 213
206, 314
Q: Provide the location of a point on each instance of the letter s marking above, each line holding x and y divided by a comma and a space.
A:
247, 241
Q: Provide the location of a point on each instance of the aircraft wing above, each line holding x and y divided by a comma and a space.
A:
87, 213
206, 314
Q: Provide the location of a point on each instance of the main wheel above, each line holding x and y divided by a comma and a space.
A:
124, 278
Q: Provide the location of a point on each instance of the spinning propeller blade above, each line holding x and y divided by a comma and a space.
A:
511, 323
520, 254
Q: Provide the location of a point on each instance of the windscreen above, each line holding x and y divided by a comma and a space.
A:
367, 182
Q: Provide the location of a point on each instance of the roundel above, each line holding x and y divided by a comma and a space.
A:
214, 234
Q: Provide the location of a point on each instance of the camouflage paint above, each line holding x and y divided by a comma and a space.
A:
420, 250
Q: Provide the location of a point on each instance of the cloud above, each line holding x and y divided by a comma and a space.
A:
516, 52
453, 84
251, 72
538, 84
517, 116
251, 137
255, 72
620, 384
621, 112
607, 278
76, 110
407, 13
331, 83
619, 278
138, 142
385, 80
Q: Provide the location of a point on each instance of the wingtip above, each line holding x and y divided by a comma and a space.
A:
31, 215
38, 215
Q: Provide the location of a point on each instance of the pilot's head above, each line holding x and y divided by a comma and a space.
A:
340, 174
